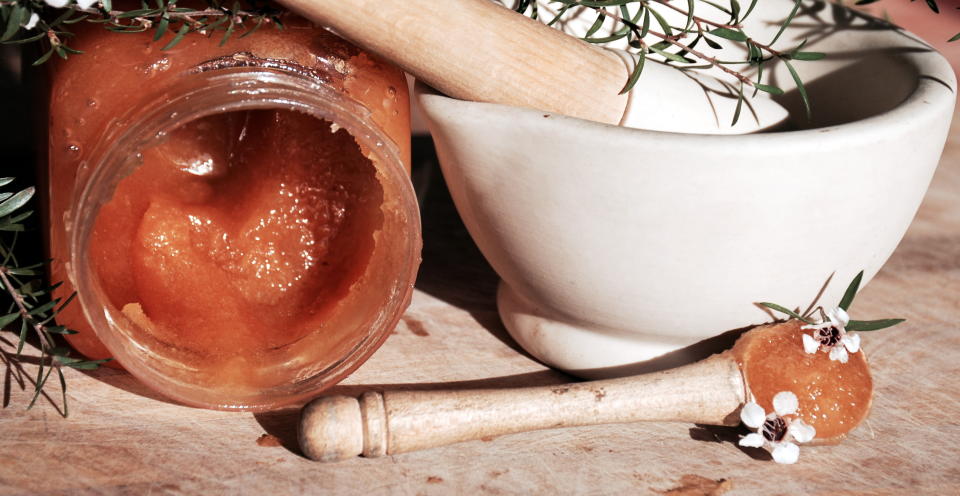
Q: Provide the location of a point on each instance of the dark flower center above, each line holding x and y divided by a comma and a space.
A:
774, 429
829, 336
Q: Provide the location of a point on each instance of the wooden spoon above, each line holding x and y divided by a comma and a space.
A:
479, 51
833, 397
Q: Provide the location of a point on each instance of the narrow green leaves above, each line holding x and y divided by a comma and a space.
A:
787, 21
806, 55
736, 113
784, 310
851, 292
31, 308
184, 29
18, 15
635, 73
872, 325
800, 88
845, 302
730, 34
16, 201
773, 90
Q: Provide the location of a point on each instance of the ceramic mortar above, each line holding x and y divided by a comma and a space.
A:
618, 245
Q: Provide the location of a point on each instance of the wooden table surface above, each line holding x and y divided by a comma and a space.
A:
122, 438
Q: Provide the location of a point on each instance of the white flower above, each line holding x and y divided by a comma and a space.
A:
57, 4
86, 4
777, 430
832, 336
32, 21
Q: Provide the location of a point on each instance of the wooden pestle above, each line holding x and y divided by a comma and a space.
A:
475, 50
338, 427
479, 51
764, 361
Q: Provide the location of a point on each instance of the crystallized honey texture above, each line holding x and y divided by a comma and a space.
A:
833, 397
239, 233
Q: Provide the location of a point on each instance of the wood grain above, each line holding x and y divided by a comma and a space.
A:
507, 63
122, 439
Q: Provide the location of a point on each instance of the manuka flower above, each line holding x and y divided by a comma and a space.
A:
830, 335
778, 430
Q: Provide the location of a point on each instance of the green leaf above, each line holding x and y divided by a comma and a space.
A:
851, 292
729, 34
872, 325
184, 29
955, 38
60, 330
161, 28
749, 10
635, 74
16, 201
63, 389
800, 87
773, 90
23, 272
781, 309
736, 113
807, 55
667, 30
689, 23
933, 6
18, 15
8, 318
43, 58
671, 56
787, 21
597, 24
229, 31
87, 365
646, 23
45, 307
22, 340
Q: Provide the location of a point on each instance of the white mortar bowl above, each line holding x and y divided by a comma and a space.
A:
618, 245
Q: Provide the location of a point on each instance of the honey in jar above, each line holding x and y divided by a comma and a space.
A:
237, 220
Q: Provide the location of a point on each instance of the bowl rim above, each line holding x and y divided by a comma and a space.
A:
924, 103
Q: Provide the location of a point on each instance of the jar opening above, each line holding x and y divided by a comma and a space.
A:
247, 242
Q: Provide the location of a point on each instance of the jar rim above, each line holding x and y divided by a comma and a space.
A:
201, 94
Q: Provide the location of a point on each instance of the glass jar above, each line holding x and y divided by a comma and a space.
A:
238, 221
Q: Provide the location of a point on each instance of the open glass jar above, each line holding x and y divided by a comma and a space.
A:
238, 221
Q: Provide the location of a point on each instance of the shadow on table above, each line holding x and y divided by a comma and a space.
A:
453, 269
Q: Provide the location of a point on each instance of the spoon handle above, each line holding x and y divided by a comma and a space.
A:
512, 59
385, 423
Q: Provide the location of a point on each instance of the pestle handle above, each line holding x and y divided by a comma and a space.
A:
512, 60
338, 427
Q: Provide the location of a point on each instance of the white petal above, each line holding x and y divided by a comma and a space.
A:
752, 440
786, 453
86, 4
785, 403
752, 415
851, 342
839, 313
57, 4
32, 21
801, 431
810, 345
838, 353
